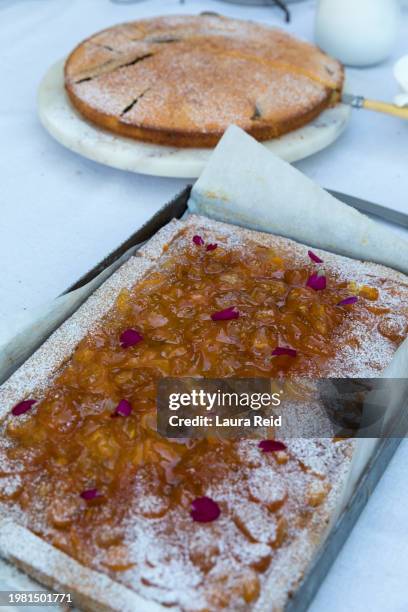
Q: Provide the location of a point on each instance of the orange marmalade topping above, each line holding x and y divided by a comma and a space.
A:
112, 493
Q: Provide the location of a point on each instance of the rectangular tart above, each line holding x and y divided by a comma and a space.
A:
93, 501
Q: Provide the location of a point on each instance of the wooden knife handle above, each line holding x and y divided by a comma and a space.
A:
388, 109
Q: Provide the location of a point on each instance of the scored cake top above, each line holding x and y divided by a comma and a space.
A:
184, 79
207, 299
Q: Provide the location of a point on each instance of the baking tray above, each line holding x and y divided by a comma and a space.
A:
318, 569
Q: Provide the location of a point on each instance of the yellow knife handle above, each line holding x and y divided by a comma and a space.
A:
384, 107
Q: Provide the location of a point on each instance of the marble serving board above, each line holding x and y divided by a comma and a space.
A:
70, 129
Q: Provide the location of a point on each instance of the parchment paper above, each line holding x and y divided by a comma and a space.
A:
247, 185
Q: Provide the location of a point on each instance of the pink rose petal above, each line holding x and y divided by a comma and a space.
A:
90, 494
225, 315
211, 247
23, 407
347, 301
124, 408
283, 350
270, 446
198, 240
204, 510
316, 281
130, 337
314, 257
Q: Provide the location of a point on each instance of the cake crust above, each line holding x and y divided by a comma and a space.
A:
95, 591
182, 80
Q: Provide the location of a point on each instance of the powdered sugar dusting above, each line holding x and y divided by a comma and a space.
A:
197, 75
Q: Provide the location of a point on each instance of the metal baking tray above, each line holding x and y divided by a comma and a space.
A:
317, 570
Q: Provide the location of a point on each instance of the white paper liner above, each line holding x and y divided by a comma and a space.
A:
247, 185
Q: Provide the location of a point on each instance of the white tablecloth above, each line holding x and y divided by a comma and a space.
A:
60, 214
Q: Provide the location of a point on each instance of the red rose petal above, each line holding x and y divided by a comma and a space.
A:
124, 408
130, 337
211, 247
225, 315
204, 510
316, 281
269, 446
314, 257
347, 301
90, 494
198, 240
23, 407
283, 350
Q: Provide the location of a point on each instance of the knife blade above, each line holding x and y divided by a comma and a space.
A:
370, 208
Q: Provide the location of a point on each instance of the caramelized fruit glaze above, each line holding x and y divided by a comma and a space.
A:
140, 520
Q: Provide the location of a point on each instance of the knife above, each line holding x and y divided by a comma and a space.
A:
370, 208
375, 105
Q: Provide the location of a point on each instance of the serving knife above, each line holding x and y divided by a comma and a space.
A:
375, 105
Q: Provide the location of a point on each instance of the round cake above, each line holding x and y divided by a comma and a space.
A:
182, 80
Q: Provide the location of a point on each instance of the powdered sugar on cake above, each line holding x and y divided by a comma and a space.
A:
182, 80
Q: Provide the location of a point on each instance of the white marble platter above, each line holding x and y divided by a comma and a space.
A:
74, 132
